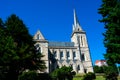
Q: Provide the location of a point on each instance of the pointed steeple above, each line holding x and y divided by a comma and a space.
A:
75, 18
76, 25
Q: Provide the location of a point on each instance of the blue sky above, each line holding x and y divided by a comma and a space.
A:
54, 18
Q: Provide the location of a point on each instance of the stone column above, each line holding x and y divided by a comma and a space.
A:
81, 68
64, 54
58, 54
71, 54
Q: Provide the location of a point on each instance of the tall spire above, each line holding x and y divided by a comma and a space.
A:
75, 18
76, 25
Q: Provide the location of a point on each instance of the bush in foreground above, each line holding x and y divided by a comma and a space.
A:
63, 73
111, 72
89, 76
30, 75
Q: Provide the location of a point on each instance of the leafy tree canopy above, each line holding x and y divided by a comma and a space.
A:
110, 11
63, 73
17, 51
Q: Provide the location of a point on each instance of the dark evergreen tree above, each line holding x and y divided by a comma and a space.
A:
7, 51
17, 51
110, 11
30, 75
110, 72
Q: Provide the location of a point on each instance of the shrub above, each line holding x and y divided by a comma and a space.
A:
62, 73
44, 76
111, 72
89, 76
98, 69
30, 75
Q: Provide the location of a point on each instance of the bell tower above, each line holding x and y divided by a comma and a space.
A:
80, 41
42, 46
78, 34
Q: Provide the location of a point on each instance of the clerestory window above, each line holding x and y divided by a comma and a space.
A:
55, 54
68, 54
61, 54
74, 55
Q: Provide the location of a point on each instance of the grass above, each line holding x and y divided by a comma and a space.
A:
119, 77
78, 77
97, 78
100, 78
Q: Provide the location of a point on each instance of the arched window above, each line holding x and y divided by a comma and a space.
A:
68, 54
82, 57
71, 65
85, 70
74, 55
55, 54
38, 36
81, 41
78, 67
57, 66
38, 49
61, 54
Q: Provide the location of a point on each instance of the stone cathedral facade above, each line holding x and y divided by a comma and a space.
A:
75, 53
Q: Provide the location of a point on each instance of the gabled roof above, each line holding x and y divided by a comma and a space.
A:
61, 44
38, 36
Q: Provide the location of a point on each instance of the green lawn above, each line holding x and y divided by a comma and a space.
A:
97, 78
100, 78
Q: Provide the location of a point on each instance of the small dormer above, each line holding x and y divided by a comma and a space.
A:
38, 36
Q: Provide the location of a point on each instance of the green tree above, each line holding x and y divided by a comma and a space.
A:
63, 73
98, 69
110, 72
110, 11
7, 51
89, 76
30, 75
17, 51
1, 41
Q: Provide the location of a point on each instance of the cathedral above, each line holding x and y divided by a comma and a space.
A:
75, 53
